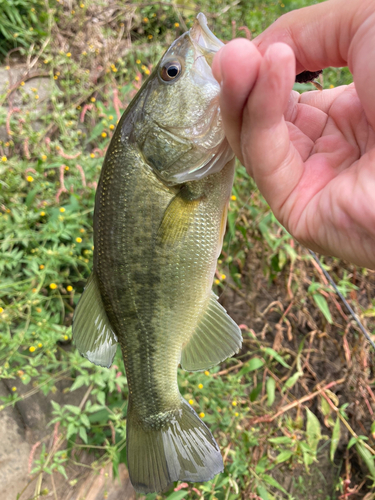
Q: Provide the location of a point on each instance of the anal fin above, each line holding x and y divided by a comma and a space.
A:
217, 337
92, 331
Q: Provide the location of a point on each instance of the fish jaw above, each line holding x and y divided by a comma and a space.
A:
201, 36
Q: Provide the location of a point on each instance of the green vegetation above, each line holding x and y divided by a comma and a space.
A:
293, 412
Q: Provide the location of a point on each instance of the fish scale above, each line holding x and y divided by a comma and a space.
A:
159, 221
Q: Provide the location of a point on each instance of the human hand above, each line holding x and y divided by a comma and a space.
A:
311, 155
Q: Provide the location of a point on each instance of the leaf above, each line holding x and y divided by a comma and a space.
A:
71, 430
335, 439
262, 492
325, 407
281, 440
177, 495
283, 456
271, 352
83, 434
251, 365
323, 306
270, 480
85, 420
255, 392
101, 397
292, 380
79, 382
367, 457
74, 409
270, 388
313, 431
352, 441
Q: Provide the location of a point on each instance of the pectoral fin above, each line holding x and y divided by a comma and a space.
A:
177, 219
217, 337
92, 331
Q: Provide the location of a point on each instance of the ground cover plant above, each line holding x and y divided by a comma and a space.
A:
293, 412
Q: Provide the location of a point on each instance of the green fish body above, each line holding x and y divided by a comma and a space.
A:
160, 217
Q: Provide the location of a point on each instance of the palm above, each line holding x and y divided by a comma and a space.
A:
329, 207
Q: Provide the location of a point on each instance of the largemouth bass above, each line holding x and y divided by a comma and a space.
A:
160, 217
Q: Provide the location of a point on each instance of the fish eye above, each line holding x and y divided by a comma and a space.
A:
170, 71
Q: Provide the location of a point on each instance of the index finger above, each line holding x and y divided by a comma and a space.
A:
320, 35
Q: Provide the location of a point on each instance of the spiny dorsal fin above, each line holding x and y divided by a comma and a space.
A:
92, 331
217, 337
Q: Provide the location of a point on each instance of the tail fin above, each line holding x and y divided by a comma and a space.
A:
183, 449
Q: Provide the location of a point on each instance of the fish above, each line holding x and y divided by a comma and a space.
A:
159, 221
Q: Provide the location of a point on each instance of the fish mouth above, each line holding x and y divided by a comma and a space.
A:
201, 35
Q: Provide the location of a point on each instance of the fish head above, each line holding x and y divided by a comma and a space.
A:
179, 127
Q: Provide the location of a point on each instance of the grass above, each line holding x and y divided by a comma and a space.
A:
295, 407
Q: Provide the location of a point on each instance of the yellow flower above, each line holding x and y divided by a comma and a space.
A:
66, 167
207, 373
236, 414
138, 61
32, 9
92, 99
145, 19
104, 134
79, 240
200, 386
40, 345
111, 126
92, 155
22, 84
143, 67
82, 5
69, 288
176, 25
29, 178
34, 89
32, 348
73, 11
37, 97
4, 158
202, 415
147, 71
46, 61
217, 282
84, 53
331, 86
150, 37
31, 28
7, 67
233, 197
1, 310
14, 389
42, 214
53, 286
44, 157
34, 290
234, 403
114, 70
282, 5
136, 78
41, 266
62, 210
55, 77
110, 117
223, 277
191, 402
66, 337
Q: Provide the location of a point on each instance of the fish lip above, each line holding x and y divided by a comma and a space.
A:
201, 35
